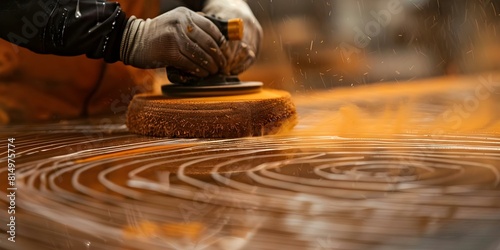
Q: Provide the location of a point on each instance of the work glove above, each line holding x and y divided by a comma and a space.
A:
180, 38
240, 55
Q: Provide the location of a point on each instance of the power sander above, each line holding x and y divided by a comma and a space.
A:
218, 106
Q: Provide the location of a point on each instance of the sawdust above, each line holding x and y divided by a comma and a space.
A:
433, 107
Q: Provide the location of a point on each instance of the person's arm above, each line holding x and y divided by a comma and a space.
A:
100, 29
64, 27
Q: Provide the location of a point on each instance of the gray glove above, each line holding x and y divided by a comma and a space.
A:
180, 38
240, 55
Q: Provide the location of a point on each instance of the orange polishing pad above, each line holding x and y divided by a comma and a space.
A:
263, 113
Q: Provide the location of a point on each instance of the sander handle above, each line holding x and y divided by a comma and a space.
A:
232, 30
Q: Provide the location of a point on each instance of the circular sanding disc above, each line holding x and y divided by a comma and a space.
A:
211, 90
263, 113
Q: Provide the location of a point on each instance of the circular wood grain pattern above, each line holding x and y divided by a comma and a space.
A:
263, 113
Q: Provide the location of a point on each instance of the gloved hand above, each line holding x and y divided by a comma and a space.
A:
240, 55
179, 38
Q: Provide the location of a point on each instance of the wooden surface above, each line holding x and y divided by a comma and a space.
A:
412, 165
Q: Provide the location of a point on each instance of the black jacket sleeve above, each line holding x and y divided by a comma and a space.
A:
64, 27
